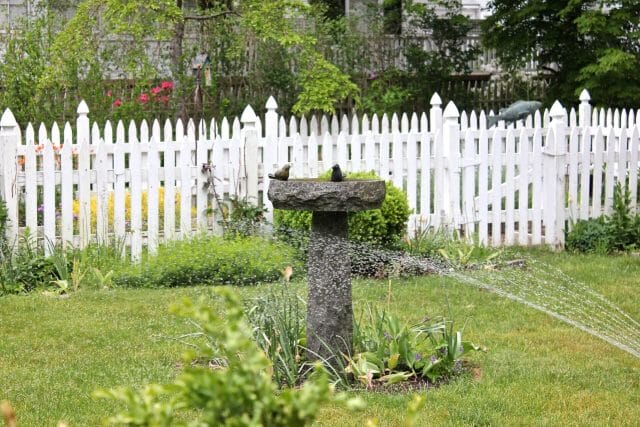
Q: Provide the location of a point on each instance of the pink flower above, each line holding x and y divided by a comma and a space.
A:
144, 98
109, 94
117, 103
156, 90
164, 98
167, 85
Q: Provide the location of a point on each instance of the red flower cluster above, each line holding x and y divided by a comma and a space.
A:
160, 93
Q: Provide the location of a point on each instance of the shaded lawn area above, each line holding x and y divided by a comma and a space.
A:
538, 370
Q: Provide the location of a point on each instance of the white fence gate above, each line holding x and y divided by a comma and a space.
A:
146, 184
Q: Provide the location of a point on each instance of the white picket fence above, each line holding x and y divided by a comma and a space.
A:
145, 185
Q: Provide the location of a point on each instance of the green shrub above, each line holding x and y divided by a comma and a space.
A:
619, 231
226, 381
209, 260
25, 269
381, 227
591, 235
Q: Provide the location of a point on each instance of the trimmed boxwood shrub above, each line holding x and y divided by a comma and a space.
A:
381, 227
210, 261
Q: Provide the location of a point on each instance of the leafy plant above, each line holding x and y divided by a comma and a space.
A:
623, 226
619, 231
233, 388
389, 351
25, 268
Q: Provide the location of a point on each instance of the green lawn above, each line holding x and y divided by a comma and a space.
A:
54, 352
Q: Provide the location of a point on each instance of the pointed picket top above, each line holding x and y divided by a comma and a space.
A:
573, 117
293, 126
95, 134
404, 122
355, 125
67, 134
248, 115
83, 108
464, 120
482, 120
108, 132
584, 96
191, 130
395, 123
42, 134
594, 117
281, 128
313, 125
623, 118
451, 111
435, 100
8, 120
616, 118
133, 132
414, 125
235, 127
324, 125
473, 120
119, 132
304, 126
632, 118
375, 124
213, 129
271, 104
155, 131
335, 125
602, 117
424, 122
384, 123
344, 123
29, 134
224, 128
144, 131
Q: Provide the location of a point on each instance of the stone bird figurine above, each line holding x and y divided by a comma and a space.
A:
517, 111
281, 174
336, 173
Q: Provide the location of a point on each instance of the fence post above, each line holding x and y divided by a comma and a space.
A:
584, 109
249, 159
554, 178
9, 139
269, 151
83, 140
451, 152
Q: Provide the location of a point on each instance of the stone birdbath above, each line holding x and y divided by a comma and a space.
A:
329, 307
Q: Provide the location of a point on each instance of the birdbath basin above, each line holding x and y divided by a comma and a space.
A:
329, 306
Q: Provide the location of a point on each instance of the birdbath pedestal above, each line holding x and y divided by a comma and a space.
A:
329, 306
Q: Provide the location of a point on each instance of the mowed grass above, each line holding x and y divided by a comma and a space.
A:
537, 370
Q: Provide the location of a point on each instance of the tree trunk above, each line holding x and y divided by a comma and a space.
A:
176, 60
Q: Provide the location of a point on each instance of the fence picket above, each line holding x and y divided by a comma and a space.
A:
456, 171
483, 185
49, 197
610, 167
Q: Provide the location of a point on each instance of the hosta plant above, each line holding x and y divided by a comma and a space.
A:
389, 351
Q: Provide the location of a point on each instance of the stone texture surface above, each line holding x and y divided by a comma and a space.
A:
327, 196
329, 307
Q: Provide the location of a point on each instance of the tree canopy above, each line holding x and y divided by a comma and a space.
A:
592, 44
133, 23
